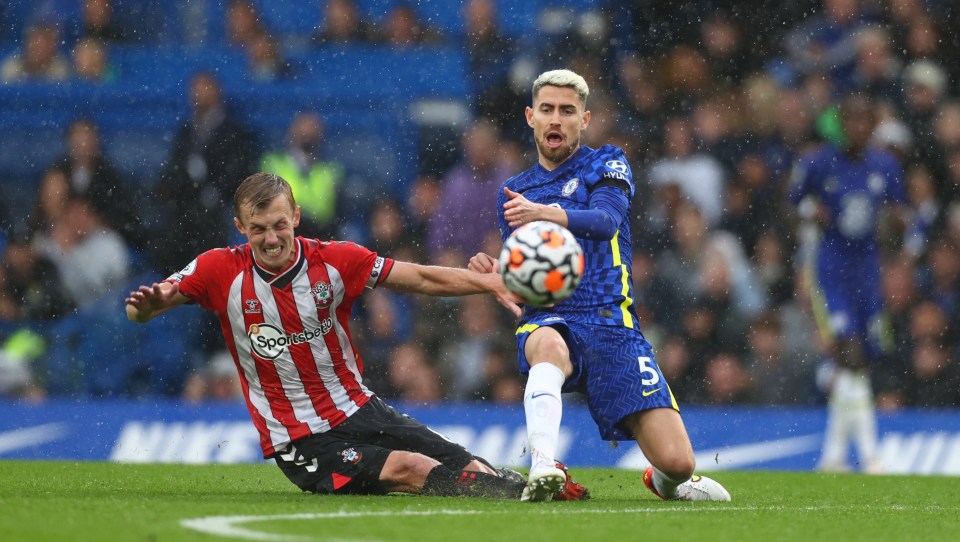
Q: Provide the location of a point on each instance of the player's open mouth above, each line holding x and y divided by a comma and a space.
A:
272, 252
554, 139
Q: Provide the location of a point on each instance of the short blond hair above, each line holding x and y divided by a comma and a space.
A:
563, 79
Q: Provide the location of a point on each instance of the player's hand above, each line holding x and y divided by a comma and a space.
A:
518, 210
510, 300
483, 263
148, 300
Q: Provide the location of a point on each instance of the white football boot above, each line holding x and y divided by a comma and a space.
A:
698, 488
544, 482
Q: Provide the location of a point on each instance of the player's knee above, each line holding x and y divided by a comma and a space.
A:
547, 347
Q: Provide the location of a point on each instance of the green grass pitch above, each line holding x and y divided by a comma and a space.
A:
43, 501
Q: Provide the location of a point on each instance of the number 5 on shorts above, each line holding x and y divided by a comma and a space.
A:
647, 370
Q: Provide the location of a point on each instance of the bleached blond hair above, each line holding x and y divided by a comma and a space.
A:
563, 79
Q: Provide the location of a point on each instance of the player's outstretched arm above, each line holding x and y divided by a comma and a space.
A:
447, 281
149, 301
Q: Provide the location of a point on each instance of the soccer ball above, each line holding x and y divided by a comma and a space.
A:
542, 263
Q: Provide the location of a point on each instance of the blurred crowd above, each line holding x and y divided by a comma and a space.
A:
713, 102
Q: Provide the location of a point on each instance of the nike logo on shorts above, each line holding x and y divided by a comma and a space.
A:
651, 392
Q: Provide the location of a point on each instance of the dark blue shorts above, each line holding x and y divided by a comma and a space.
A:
613, 366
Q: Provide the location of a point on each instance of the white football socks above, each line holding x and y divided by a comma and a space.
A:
666, 487
850, 415
543, 408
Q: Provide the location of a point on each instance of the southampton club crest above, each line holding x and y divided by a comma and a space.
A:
322, 295
351, 456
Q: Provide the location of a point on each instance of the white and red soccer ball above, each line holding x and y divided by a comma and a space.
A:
542, 263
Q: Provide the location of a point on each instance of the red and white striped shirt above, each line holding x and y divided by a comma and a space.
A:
288, 331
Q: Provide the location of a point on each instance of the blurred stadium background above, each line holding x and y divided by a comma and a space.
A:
712, 100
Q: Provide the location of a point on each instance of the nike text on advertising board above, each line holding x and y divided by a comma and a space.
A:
912, 441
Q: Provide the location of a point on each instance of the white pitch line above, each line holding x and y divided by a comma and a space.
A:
230, 526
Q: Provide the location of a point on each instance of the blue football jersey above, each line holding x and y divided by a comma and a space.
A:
605, 294
853, 191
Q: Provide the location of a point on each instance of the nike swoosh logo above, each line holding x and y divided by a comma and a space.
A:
739, 455
30, 437
651, 392
542, 393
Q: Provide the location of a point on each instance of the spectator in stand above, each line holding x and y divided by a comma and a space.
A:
900, 296
641, 113
726, 278
877, 68
727, 381
771, 260
52, 197
928, 322
699, 176
423, 203
465, 353
679, 266
342, 24
503, 384
242, 23
210, 152
479, 174
947, 125
826, 41
942, 283
265, 62
91, 259
38, 60
94, 178
934, 377
382, 326
925, 86
316, 182
90, 63
779, 376
656, 301
724, 47
30, 288
99, 24
17, 378
404, 28
388, 228
898, 16
924, 39
926, 210
946, 133
703, 338
687, 78
489, 54
673, 357
216, 381
751, 201
411, 377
